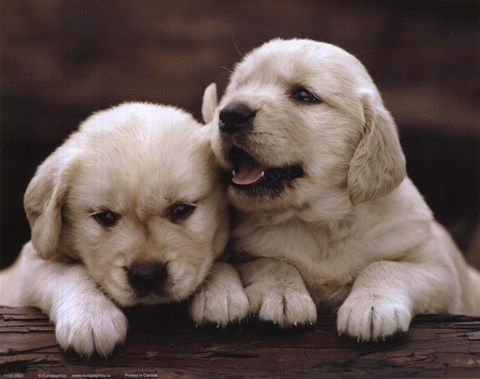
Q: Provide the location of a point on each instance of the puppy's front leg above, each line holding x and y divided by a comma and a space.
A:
221, 299
277, 293
85, 319
386, 295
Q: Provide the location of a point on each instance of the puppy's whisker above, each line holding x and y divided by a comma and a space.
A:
237, 48
226, 70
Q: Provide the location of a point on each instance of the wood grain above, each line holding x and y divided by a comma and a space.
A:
163, 342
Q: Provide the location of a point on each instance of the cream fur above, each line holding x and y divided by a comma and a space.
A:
357, 237
138, 160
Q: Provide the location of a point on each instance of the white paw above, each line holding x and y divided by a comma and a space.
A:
283, 306
371, 317
94, 325
221, 299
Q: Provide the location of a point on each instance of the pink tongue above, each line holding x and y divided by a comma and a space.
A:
249, 172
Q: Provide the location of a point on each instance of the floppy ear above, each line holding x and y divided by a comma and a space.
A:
378, 165
210, 103
43, 201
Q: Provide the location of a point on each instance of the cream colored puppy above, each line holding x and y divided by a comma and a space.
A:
129, 210
324, 204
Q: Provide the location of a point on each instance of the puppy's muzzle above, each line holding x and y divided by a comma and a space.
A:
147, 277
235, 117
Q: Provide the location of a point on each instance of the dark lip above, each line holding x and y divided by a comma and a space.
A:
274, 179
143, 294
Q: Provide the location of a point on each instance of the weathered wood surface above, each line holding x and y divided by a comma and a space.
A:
163, 342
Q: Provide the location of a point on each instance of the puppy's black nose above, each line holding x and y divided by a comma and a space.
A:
147, 277
235, 117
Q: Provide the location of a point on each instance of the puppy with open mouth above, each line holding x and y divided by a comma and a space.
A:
326, 217
129, 210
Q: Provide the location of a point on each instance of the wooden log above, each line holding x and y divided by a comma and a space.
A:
163, 342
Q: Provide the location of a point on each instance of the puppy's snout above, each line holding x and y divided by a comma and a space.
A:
147, 277
235, 117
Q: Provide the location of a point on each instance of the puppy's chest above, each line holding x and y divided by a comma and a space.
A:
328, 291
327, 276
324, 265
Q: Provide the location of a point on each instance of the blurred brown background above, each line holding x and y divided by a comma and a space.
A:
63, 59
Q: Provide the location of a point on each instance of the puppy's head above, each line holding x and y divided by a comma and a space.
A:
302, 127
136, 196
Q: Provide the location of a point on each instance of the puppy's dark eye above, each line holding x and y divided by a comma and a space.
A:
304, 96
179, 212
106, 218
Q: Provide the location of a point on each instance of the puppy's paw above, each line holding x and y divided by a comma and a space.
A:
221, 299
283, 306
94, 325
219, 306
372, 317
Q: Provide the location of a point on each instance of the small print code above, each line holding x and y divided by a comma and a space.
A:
88, 376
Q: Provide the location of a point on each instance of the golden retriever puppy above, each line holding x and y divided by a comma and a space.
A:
130, 210
323, 203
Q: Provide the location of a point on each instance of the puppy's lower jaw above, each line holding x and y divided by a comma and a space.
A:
130, 297
157, 297
253, 178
